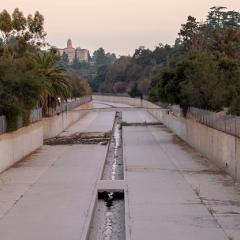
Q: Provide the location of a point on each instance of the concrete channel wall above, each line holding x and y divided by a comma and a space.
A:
17, 145
219, 147
55, 125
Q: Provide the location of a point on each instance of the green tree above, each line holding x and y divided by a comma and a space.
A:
189, 34
143, 56
235, 107
25, 30
135, 91
100, 57
55, 82
206, 73
19, 89
19, 83
80, 87
216, 17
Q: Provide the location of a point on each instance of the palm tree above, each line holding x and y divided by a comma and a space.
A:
55, 82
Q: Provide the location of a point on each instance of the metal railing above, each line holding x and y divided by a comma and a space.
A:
220, 121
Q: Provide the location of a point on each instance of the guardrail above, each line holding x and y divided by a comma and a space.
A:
225, 123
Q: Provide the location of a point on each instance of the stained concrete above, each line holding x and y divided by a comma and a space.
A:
175, 193
92, 122
48, 195
220, 147
55, 199
171, 191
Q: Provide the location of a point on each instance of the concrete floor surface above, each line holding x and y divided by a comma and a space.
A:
173, 193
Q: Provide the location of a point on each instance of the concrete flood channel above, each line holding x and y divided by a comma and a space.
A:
108, 221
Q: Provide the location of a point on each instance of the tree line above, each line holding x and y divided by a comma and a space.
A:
88, 70
30, 76
201, 69
207, 75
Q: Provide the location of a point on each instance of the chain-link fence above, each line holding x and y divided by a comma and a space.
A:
220, 121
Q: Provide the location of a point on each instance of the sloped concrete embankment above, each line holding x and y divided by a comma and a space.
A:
19, 144
221, 148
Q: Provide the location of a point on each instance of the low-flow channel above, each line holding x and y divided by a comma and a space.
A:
108, 222
113, 168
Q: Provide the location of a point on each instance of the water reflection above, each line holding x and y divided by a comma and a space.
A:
113, 169
112, 201
108, 221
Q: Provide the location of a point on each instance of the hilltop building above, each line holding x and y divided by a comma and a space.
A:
82, 55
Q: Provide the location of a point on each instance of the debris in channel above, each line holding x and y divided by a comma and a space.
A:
81, 138
140, 124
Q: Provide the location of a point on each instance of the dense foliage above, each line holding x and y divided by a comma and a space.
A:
127, 72
29, 76
208, 73
201, 69
89, 70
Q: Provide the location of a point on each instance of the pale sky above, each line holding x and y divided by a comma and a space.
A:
119, 26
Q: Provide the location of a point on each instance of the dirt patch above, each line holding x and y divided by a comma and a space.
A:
205, 171
80, 138
155, 169
26, 159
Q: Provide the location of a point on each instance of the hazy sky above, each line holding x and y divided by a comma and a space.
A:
117, 25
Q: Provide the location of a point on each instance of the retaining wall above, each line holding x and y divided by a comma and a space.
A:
55, 125
19, 144
219, 147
